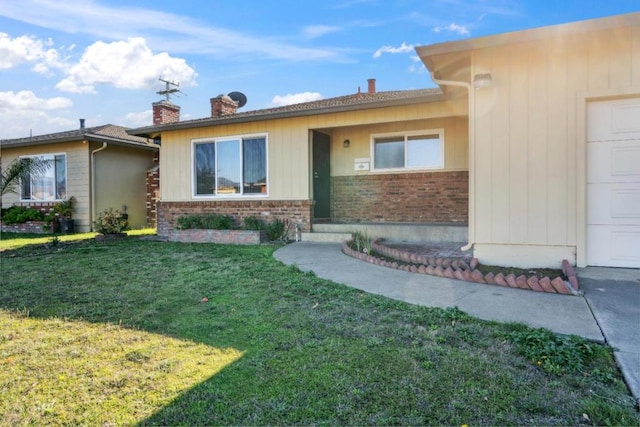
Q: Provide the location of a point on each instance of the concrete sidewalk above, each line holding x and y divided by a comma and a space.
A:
563, 314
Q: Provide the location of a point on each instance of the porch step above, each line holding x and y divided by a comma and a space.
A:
325, 237
398, 231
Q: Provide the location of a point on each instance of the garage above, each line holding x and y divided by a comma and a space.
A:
613, 183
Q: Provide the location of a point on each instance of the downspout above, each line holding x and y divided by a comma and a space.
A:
472, 158
93, 183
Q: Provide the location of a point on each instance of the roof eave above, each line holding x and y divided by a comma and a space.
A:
86, 137
150, 131
617, 21
121, 142
32, 142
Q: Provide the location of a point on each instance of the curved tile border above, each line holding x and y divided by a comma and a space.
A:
459, 269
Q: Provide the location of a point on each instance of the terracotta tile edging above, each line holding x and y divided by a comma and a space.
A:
459, 270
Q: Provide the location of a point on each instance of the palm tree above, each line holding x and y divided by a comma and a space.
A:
21, 169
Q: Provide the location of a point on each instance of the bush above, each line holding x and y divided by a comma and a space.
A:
275, 230
21, 214
205, 222
253, 223
188, 222
111, 221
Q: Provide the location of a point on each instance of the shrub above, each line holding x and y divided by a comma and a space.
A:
253, 223
111, 221
275, 230
21, 214
205, 222
187, 222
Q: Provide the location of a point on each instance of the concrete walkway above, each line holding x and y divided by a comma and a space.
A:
611, 314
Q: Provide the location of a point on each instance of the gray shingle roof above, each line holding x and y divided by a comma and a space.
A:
104, 133
357, 101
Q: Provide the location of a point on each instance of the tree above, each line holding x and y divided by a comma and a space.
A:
21, 169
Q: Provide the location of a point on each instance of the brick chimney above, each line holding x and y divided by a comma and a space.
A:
165, 112
372, 86
223, 105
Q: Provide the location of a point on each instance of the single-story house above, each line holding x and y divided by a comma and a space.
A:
392, 157
102, 167
511, 146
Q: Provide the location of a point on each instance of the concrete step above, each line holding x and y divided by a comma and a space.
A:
325, 237
400, 231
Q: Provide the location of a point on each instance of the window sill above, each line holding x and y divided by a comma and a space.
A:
231, 196
407, 170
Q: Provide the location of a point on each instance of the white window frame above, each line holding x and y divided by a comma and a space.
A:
406, 135
215, 140
66, 178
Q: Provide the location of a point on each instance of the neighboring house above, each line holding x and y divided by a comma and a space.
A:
102, 167
513, 143
554, 148
392, 157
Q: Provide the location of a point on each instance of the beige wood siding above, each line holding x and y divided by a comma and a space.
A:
121, 180
527, 132
288, 145
456, 143
77, 175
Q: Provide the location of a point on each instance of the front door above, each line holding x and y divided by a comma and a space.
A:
321, 174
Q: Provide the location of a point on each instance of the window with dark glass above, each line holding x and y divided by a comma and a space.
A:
230, 166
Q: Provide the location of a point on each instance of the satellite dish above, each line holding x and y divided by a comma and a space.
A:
239, 97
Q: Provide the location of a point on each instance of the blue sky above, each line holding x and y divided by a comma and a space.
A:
101, 60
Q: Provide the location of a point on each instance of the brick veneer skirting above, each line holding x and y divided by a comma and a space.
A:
34, 227
290, 211
430, 197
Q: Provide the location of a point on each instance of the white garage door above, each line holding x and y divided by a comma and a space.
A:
613, 183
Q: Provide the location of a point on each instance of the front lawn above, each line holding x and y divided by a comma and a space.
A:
157, 333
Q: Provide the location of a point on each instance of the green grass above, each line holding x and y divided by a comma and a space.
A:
17, 240
118, 333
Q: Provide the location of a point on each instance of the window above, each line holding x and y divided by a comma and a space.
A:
49, 185
414, 150
230, 166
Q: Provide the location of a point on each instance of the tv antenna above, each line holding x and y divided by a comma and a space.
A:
168, 90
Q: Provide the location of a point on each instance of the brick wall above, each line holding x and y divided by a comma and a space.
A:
153, 192
291, 211
34, 227
234, 237
432, 197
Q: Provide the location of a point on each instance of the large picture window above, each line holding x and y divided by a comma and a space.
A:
50, 184
230, 166
414, 150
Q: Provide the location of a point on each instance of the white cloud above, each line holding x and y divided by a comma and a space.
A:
314, 31
126, 64
22, 112
184, 34
27, 49
138, 119
296, 98
403, 48
27, 100
453, 28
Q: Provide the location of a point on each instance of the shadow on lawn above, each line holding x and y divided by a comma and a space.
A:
313, 352
142, 286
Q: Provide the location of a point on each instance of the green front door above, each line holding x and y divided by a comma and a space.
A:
321, 175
